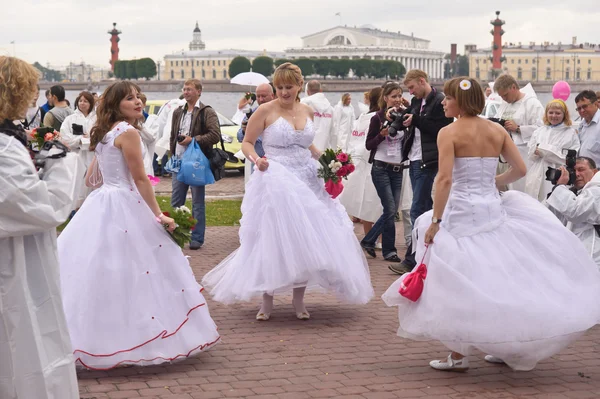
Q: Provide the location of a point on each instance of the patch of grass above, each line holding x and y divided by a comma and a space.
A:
218, 213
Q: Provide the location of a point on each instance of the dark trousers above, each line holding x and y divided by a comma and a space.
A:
422, 184
388, 184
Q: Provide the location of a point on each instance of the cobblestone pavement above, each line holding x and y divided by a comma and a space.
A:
342, 351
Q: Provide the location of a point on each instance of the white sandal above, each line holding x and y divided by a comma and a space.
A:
450, 364
493, 359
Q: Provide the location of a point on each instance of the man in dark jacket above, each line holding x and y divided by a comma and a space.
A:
420, 148
193, 121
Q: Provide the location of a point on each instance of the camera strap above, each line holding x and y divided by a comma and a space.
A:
10, 129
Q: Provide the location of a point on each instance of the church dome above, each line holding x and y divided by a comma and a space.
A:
196, 29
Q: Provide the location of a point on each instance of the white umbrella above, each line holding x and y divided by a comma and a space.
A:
249, 79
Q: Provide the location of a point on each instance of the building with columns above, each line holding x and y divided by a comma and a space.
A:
205, 64
539, 61
371, 43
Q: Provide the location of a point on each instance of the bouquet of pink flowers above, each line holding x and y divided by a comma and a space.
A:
335, 166
42, 134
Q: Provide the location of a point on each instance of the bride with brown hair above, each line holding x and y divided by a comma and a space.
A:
130, 296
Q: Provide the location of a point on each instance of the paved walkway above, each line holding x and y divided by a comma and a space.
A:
342, 351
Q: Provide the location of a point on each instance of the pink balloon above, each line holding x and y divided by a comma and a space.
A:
561, 90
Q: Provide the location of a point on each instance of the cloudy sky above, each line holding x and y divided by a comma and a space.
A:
63, 31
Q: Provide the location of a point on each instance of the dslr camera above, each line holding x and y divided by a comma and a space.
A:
552, 174
499, 121
396, 125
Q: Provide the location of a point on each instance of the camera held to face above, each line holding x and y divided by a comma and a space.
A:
396, 125
552, 174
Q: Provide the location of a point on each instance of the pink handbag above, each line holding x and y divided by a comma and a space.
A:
412, 285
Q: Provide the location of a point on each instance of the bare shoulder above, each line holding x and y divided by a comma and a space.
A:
307, 110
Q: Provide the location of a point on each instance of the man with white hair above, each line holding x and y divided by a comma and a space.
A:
324, 135
264, 93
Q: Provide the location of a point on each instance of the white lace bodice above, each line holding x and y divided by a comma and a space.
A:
474, 204
114, 169
289, 147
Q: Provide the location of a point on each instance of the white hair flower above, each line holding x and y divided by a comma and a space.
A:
465, 84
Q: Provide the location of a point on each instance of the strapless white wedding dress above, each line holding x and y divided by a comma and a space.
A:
292, 233
504, 275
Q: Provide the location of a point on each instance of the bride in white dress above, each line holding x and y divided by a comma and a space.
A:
504, 276
292, 234
129, 294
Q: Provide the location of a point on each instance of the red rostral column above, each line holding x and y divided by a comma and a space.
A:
497, 32
114, 45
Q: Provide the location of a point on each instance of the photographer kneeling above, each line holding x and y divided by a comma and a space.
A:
579, 205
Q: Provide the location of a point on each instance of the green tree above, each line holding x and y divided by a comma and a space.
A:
239, 65
280, 61
263, 65
322, 66
341, 67
120, 69
130, 72
306, 65
363, 67
462, 68
49, 75
145, 68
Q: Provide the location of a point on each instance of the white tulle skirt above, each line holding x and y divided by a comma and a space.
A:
521, 291
129, 294
291, 236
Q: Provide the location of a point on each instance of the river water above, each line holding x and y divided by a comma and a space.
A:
226, 102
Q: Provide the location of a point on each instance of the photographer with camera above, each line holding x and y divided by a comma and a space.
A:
384, 140
579, 204
35, 346
264, 93
193, 121
424, 120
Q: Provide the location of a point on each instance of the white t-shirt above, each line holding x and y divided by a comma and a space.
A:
184, 129
415, 153
390, 149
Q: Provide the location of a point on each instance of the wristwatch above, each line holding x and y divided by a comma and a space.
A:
435, 220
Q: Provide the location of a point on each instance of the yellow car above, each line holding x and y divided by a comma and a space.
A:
228, 132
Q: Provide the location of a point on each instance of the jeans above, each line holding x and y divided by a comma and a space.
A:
159, 170
422, 184
198, 206
388, 185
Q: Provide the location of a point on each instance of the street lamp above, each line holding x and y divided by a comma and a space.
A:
158, 70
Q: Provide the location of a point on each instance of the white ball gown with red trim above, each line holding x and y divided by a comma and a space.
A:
503, 275
292, 233
129, 294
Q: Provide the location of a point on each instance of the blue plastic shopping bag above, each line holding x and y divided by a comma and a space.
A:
195, 167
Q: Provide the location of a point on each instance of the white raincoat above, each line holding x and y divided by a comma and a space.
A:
552, 143
581, 212
36, 359
164, 122
343, 124
79, 144
324, 134
528, 113
359, 196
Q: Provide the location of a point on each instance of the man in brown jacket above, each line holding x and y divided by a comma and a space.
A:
193, 121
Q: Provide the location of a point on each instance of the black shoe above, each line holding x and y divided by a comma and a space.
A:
399, 269
369, 251
394, 258
195, 245
407, 265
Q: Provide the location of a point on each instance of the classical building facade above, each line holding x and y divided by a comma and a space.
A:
539, 62
371, 43
205, 64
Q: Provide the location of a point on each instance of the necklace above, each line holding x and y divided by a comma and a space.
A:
292, 114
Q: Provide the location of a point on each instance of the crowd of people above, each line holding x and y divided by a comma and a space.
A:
512, 261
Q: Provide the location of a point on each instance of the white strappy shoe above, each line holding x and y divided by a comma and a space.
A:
493, 359
450, 364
